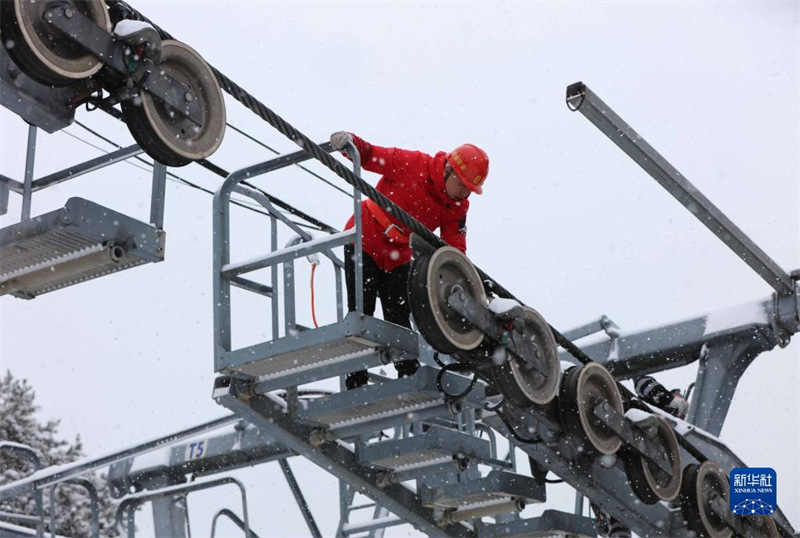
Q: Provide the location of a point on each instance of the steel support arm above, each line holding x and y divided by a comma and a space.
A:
582, 99
84, 168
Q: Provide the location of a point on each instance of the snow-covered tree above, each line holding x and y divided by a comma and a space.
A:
19, 424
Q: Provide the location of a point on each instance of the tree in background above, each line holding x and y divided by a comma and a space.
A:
19, 424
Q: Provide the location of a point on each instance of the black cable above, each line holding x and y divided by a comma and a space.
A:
218, 170
493, 409
514, 433
213, 168
260, 143
455, 367
265, 113
556, 481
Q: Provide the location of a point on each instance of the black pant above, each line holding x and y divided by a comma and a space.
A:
392, 288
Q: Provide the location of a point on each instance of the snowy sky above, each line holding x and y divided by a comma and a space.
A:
567, 222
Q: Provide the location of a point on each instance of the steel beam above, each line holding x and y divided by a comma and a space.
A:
158, 195
299, 498
85, 167
288, 254
61, 473
721, 366
677, 344
30, 158
582, 99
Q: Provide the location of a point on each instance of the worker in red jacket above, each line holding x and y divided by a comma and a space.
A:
433, 190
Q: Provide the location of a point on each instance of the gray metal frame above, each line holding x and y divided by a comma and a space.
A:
147, 240
271, 417
232, 517
227, 274
172, 493
28, 186
39, 519
46, 478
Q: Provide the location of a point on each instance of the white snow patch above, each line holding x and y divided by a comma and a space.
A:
637, 415
736, 316
613, 353
24, 531
682, 428
500, 305
128, 27
12, 444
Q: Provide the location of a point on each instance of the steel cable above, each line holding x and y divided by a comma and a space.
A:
286, 129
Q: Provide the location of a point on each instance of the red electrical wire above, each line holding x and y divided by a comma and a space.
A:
313, 310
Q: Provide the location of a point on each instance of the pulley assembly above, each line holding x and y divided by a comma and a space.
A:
513, 348
170, 97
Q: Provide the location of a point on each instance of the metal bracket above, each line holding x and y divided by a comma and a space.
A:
721, 509
494, 326
633, 434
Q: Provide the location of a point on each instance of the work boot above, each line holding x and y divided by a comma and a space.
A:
406, 368
356, 379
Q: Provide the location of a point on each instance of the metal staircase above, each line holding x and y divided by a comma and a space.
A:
437, 468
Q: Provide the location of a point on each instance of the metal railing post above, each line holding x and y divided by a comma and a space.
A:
357, 216
30, 157
158, 195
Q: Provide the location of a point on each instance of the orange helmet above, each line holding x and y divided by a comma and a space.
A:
471, 165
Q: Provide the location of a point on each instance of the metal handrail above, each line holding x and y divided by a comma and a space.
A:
29, 454
234, 518
131, 503
227, 274
95, 518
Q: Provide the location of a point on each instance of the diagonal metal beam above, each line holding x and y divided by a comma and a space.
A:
84, 168
271, 417
582, 99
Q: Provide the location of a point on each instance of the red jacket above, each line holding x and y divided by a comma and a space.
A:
414, 181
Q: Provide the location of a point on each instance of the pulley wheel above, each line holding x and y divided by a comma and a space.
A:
581, 390
701, 485
518, 380
433, 278
166, 135
43, 52
649, 482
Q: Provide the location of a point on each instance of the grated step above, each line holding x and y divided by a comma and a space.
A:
401, 399
79, 242
437, 445
303, 359
496, 488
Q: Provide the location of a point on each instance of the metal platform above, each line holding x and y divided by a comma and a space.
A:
400, 401
551, 523
325, 352
496, 487
79, 242
437, 445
